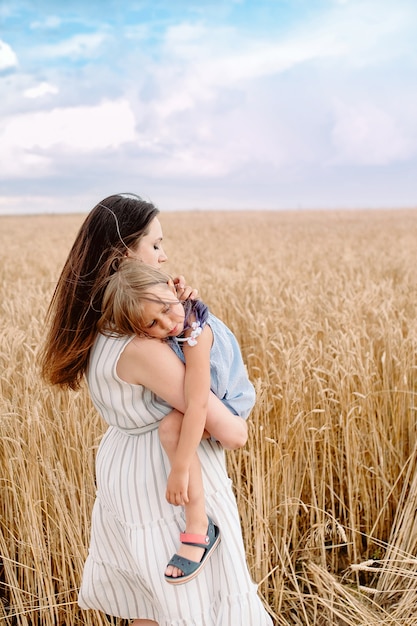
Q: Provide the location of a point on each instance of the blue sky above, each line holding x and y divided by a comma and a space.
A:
233, 104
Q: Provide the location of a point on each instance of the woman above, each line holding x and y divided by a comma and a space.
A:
134, 528
140, 301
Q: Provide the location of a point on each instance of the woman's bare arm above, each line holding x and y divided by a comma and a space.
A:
154, 365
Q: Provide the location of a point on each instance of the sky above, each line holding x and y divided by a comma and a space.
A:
208, 104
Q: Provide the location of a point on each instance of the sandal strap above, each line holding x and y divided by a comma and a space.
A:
200, 541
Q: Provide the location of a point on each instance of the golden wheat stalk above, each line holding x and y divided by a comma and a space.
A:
324, 306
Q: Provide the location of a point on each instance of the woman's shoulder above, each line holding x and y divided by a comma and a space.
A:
142, 356
104, 356
110, 342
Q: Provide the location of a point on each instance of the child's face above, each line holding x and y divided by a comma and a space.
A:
165, 318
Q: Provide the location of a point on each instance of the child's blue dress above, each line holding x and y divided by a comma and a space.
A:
228, 376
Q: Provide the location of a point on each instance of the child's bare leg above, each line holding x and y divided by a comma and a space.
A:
195, 510
229, 429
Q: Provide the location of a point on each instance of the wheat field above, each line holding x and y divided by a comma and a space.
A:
324, 306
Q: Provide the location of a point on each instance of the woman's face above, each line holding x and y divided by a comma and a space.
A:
149, 249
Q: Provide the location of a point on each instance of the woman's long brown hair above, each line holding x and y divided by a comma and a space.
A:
112, 228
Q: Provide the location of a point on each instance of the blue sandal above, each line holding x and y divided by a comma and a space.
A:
190, 569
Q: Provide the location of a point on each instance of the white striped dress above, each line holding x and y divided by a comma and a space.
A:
135, 531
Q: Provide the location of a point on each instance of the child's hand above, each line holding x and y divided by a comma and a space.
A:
184, 292
177, 488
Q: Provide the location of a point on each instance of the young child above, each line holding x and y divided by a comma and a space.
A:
141, 301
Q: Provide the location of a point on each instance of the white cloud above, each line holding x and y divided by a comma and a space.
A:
198, 60
220, 56
29, 142
8, 58
271, 121
33, 204
371, 32
78, 46
51, 22
43, 89
365, 134
217, 105
137, 31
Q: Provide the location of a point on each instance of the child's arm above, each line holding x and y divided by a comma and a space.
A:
154, 365
196, 392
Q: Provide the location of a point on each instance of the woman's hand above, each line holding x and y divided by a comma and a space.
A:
184, 292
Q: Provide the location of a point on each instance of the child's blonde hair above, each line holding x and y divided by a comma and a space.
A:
124, 296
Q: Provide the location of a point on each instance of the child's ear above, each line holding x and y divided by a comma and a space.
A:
172, 286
